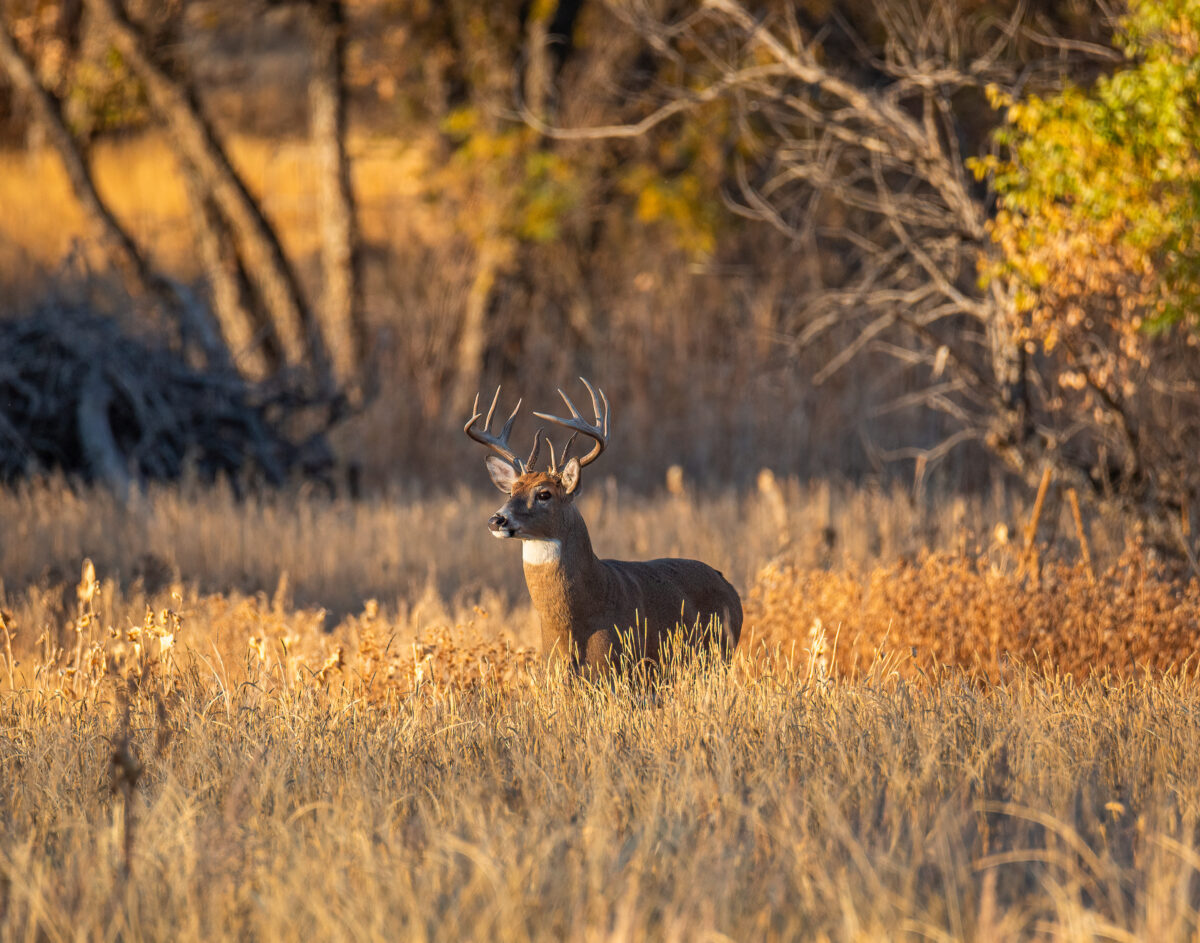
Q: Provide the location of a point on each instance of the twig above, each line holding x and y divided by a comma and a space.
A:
125, 770
1073, 501
1028, 552
8, 653
1183, 531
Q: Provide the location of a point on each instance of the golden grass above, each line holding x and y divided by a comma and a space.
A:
411, 584
981, 614
187, 751
396, 547
173, 802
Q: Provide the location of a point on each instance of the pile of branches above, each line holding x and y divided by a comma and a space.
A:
78, 394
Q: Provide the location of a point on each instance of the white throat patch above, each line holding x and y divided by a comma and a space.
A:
538, 552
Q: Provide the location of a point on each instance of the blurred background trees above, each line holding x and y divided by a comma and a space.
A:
1096, 229
1074, 351
885, 238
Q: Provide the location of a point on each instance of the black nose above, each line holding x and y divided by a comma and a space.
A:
497, 522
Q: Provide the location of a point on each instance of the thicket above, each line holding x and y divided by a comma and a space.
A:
979, 614
1096, 227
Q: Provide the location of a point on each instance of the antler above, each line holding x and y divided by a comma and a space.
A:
499, 444
597, 430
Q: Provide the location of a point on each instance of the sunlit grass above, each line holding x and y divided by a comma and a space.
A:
192, 747
765, 807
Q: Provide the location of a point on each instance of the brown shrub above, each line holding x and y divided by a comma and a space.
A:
978, 613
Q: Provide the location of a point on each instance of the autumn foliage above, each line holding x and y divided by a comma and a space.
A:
1098, 199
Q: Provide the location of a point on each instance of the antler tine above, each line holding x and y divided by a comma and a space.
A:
487, 423
567, 447
537, 445
504, 432
498, 444
596, 405
598, 429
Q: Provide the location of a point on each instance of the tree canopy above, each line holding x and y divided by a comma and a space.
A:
1099, 191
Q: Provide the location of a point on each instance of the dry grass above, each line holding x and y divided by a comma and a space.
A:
731, 807
336, 552
981, 614
411, 585
180, 763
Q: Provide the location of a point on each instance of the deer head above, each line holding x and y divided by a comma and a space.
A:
538, 503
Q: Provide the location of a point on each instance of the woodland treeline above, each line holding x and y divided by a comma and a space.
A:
892, 237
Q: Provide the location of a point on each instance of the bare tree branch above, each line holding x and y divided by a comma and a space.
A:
652, 120
342, 312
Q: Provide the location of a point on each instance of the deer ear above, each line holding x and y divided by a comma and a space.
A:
570, 476
503, 474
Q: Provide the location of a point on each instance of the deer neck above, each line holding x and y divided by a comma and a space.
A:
563, 579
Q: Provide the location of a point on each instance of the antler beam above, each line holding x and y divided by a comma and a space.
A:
597, 430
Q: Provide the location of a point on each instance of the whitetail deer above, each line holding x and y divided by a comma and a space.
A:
599, 614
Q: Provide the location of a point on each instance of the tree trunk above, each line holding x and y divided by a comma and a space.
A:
249, 336
549, 40
472, 339
197, 143
341, 309
536, 80
100, 451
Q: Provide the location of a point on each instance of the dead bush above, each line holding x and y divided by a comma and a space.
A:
980, 613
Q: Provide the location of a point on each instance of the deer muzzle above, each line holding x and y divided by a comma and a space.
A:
501, 526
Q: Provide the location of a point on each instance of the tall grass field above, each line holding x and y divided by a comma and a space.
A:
296, 716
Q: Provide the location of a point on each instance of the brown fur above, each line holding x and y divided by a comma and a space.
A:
585, 604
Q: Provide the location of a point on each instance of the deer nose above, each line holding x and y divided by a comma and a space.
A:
497, 522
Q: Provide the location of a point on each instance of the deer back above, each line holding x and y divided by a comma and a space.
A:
659, 595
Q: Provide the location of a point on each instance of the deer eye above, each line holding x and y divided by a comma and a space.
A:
544, 495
